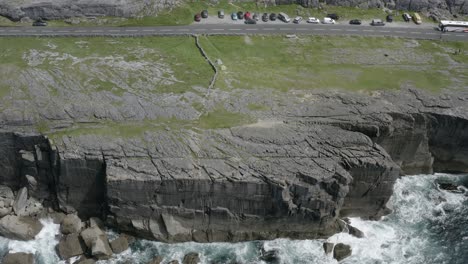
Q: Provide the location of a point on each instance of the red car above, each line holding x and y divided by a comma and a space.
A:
197, 17
247, 16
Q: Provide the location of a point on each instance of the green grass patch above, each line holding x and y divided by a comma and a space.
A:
221, 118
319, 62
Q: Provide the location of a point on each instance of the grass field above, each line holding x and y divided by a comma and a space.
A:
351, 63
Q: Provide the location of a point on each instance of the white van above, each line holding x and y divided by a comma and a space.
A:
283, 17
327, 20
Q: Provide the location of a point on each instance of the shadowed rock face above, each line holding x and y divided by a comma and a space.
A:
329, 156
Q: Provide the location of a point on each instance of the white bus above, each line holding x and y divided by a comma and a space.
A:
453, 26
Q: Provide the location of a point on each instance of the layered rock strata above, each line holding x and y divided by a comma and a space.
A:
321, 158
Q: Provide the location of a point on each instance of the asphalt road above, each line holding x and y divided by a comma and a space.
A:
236, 29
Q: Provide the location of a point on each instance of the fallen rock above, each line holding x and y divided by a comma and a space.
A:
20, 200
70, 224
270, 256
173, 262
6, 192
341, 251
119, 245
4, 211
57, 217
355, 232
19, 228
84, 260
18, 258
156, 260
328, 247
95, 222
96, 240
70, 245
191, 258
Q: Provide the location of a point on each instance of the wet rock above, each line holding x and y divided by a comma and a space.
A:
328, 247
270, 256
191, 258
20, 201
341, 251
156, 260
355, 232
119, 245
18, 258
84, 260
19, 228
57, 217
70, 245
71, 224
96, 240
173, 262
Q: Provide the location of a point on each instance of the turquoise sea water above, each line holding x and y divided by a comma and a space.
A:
427, 225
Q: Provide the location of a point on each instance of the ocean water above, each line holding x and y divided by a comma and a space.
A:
427, 225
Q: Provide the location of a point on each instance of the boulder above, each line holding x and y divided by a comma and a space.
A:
18, 258
270, 256
355, 232
95, 222
20, 201
70, 245
70, 224
191, 258
119, 245
57, 217
156, 260
6, 192
173, 262
328, 247
341, 251
19, 228
96, 240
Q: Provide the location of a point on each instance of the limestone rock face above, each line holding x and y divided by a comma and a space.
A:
19, 228
59, 9
293, 173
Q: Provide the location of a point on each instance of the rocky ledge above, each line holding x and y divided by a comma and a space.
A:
293, 173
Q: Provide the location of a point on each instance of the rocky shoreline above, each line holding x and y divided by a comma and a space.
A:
293, 177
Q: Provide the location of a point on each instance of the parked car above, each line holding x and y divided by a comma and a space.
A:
417, 18
355, 22
333, 16
247, 15
327, 20
406, 17
377, 22
250, 21
389, 18
273, 16
39, 23
313, 20
255, 16
221, 13
197, 17
204, 14
240, 15
284, 17
265, 17
297, 20
234, 16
